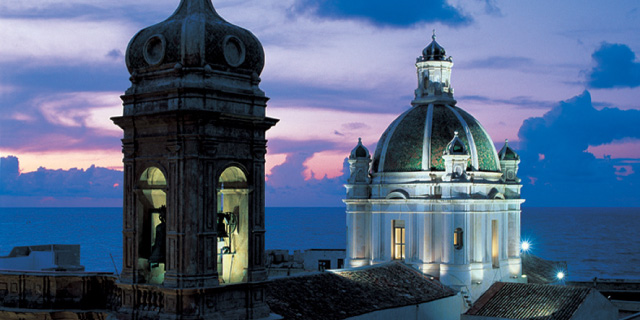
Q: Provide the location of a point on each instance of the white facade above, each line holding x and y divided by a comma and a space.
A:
453, 214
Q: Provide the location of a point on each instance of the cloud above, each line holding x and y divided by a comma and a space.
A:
68, 121
62, 41
92, 183
616, 67
402, 13
491, 8
498, 62
521, 101
557, 165
287, 186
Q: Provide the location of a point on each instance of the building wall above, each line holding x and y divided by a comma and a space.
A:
596, 306
429, 226
442, 309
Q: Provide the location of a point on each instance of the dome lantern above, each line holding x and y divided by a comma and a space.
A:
434, 75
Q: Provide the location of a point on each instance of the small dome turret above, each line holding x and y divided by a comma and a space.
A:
195, 36
456, 146
506, 153
360, 151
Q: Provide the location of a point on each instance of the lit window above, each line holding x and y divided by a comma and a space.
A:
398, 239
457, 238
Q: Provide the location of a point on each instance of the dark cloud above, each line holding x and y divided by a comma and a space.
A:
378, 100
556, 167
355, 126
68, 78
276, 146
521, 101
616, 67
115, 54
38, 135
142, 13
491, 8
286, 186
402, 13
92, 183
498, 62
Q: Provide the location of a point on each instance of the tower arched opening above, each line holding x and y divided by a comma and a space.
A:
152, 209
232, 222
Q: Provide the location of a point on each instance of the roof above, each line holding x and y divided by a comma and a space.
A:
417, 139
539, 270
529, 301
506, 153
348, 293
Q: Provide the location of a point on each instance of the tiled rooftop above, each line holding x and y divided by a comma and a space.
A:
529, 301
343, 294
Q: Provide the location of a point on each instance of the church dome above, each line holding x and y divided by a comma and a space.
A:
418, 138
195, 36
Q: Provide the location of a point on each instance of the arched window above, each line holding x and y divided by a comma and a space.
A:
232, 225
457, 238
152, 210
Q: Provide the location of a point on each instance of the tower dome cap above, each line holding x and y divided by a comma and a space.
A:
195, 36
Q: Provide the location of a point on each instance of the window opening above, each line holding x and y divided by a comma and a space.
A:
495, 244
398, 240
324, 265
457, 238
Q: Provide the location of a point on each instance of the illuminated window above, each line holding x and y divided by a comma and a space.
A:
398, 239
495, 244
457, 238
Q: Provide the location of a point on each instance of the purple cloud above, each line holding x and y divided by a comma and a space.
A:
286, 186
558, 170
94, 185
616, 67
402, 13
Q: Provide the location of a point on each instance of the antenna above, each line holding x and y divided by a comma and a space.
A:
114, 265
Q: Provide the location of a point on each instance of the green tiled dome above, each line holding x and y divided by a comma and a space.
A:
416, 141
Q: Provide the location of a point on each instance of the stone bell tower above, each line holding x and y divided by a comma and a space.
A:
194, 152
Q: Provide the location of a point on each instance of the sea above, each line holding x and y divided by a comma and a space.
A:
595, 242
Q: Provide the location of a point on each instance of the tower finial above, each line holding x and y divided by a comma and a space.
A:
434, 35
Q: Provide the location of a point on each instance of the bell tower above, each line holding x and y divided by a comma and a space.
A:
194, 152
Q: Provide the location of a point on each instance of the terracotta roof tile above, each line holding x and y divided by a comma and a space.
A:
529, 301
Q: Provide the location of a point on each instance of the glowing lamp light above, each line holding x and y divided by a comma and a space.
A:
560, 275
525, 245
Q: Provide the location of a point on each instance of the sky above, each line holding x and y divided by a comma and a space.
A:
559, 79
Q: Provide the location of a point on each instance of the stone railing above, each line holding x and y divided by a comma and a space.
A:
149, 298
56, 290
